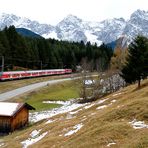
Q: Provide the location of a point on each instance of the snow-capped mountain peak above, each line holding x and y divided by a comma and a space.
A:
72, 28
21, 22
73, 19
141, 14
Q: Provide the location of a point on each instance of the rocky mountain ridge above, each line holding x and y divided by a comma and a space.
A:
72, 28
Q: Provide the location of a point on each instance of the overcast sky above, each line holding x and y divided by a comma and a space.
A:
53, 11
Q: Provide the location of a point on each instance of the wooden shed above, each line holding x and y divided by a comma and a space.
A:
13, 116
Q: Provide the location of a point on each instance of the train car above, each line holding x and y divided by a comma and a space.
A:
11, 75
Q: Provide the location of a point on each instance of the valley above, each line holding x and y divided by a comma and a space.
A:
77, 83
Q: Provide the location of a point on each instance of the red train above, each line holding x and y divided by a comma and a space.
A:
10, 75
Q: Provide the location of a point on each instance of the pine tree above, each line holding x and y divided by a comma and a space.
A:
136, 67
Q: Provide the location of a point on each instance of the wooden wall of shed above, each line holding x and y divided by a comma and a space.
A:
20, 119
5, 124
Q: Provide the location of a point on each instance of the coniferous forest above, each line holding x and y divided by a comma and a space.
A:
40, 53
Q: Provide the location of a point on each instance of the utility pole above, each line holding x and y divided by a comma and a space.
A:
2, 64
41, 65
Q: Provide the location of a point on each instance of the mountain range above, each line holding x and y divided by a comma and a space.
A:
72, 28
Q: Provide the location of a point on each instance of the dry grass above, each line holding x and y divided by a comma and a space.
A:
101, 127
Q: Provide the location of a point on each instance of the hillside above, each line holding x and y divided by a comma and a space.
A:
118, 120
27, 33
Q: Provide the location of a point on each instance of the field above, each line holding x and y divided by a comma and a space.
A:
107, 122
55, 92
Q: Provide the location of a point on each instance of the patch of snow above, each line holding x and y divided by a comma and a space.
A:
113, 101
35, 133
101, 107
52, 35
67, 107
92, 38
75, 112
120, 106
112, 143
76, 128
70, 116
89, 82
49, 121
57, 102
138, 124
102, 101
93, 114
31, 141
84, 119
88, 106
104, 106
116, 94
2, 144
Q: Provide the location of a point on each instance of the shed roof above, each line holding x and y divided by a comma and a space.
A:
10, 109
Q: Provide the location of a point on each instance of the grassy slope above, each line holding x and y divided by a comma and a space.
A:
62, 91
101, 127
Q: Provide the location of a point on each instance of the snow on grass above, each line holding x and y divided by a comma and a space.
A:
102, 101
113, 101
92, 114
75, 112
88, 106
104, 106
84, 118
101, 107
138, 124
67, 107
120, 106
35, 137
69, 116
116, 94
2, 144
76, 128
112, 143
49, 121
57, 102
35, 133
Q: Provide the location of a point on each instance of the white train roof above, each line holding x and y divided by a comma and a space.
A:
33, 71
